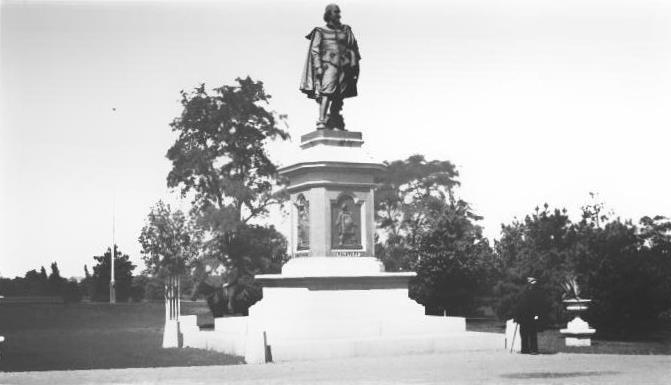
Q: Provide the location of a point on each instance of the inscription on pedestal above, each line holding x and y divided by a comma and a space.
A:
345, 223
348, 253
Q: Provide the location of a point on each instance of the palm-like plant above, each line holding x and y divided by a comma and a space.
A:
571, 288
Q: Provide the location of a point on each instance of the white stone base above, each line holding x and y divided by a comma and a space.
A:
578, 341
171, 334
322, 308
578, 333
322, 317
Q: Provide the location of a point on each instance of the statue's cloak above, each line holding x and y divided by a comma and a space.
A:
308, 78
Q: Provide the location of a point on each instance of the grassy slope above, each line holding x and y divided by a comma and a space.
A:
86, 336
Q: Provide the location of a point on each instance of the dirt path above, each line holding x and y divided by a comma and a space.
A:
470, 368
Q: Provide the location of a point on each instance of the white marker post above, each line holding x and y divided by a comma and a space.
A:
172, 311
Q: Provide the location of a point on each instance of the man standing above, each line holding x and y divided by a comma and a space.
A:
527, 315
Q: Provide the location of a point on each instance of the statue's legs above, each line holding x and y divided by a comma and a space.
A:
335, 119
324, 102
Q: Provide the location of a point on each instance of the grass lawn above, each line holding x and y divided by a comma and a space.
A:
96, 336
550, 341
88, 336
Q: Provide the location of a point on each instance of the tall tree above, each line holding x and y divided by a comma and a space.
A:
219, 159
543, 245
409, 192
220, 156
424, 227
406, 186
56, 282
455, 262
123, 275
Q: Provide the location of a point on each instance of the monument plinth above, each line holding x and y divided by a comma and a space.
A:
331, 188
333, 298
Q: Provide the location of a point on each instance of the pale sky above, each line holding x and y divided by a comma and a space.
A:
535, 101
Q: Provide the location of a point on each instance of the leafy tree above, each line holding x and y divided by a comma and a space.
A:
219, 159
626, 270
455, 264
407, 191
543, 246
56, 283
424, 227
36, 282
123, 274
622, 267
170, 242
405, 184
220, 155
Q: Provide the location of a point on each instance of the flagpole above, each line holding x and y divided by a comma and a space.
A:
113, 254
113, 249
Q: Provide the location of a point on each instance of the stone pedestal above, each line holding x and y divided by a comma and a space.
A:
331, 190
333, 298
577, 332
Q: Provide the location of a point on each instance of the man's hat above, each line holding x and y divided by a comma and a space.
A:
531, 280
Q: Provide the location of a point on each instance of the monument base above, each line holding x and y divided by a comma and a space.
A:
348, 309
312, 317
578, 333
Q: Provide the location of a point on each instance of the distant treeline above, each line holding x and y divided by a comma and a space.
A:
93, 287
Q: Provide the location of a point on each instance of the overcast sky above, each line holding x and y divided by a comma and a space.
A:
534, 101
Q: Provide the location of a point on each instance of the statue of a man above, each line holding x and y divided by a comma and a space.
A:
331, 69
345, 225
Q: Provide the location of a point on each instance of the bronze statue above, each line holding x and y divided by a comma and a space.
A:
331, 69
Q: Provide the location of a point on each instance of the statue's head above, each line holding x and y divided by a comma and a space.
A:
332, 13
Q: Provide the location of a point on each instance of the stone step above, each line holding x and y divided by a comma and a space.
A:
320, 349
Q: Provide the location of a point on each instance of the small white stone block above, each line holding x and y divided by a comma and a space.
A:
513, 338
578, 341
171, 334
188, 322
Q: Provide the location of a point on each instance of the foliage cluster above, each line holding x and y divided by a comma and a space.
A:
219, 160
625, 269
97, 284
425, 228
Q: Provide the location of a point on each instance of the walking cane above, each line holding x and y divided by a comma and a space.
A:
513, 339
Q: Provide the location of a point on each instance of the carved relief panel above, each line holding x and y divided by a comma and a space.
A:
302, 223
345, 223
